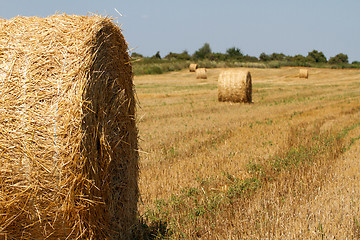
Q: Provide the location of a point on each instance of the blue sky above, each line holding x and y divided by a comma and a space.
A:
255, 26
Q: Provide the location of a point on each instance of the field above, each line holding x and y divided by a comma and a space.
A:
284, 167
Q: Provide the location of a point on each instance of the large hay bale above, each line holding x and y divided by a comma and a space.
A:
68, 140
193, 67
303, 73
201, 73
235, 86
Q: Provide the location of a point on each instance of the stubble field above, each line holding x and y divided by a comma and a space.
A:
284, 167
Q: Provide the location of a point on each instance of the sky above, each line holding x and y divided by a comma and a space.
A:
254, 26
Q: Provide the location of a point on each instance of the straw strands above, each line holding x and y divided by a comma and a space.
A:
193, 67
235, 86
68, 140
201, 73
303, 73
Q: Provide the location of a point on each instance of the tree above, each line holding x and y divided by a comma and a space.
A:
217, 57
316, 56
203, 52
136, 55
340, 58
181, 56
300, 59
264, 57
248, 58
157, 55
234, 52
277, 57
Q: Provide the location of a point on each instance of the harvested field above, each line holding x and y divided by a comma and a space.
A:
285, 167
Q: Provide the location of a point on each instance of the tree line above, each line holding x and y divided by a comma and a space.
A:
235, 54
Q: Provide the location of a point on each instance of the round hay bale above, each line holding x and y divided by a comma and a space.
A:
68, 139
303, 73
201, 73
235, 86
193, 67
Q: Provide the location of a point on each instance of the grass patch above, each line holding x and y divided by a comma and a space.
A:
191, 213
171, 88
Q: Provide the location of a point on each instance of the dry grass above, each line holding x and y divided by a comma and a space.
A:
280, 168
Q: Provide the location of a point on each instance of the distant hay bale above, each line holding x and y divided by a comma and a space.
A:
68, 139
201, 73
303, 73
193, 67
235, 86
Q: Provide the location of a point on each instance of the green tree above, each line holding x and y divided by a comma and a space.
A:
234, 52
340, 58
203, 52
180, 56
264, 57
277, 57
136, 55
297, 59
248, 58
157, 55
217, 57
316, 56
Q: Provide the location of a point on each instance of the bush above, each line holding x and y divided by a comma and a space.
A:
277, 57
203, 52
340, 58
157, 55
178, 56
316, 57
136, 55
264, 57
234, 53
153, 70
248, 58
217, 57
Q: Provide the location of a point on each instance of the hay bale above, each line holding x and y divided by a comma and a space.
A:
201, 73
68, 140
303, 73
235, 86
193, 67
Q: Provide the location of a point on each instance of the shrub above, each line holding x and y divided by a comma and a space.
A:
157, 55
136, 55
248, 58
234, 53
316, 56
217, 57
340, 58
178, 56
203, 52
277, 57
153, 70
264, 57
